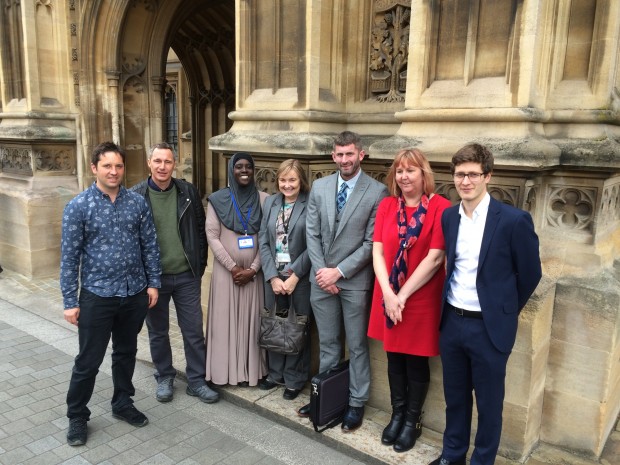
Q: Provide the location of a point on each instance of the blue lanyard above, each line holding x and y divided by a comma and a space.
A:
244, 221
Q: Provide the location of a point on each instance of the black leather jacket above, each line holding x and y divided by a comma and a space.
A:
191, 222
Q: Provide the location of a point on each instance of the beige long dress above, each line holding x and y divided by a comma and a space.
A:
233, 319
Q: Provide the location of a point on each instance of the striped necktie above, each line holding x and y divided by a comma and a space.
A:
341, 198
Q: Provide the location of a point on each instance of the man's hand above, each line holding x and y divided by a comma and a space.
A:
153, 294
333, 289
326, 277
72, 315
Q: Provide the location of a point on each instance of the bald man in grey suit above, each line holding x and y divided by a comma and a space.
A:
339, 225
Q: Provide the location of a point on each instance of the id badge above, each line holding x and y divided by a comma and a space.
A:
246, 242
283, 257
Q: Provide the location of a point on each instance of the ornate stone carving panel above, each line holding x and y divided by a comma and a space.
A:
16, 160
265, 178
37, 160
505, 194
571, 209
389, 50
59, 160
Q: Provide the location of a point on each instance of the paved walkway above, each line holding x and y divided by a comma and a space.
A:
248, 426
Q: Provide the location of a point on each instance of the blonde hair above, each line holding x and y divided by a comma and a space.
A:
294, 165
415, 158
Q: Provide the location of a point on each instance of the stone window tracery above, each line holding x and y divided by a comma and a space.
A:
571, 208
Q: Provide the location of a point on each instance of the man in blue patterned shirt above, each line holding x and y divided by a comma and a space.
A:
108, 249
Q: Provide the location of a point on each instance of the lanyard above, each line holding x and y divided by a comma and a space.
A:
244, 221
286, 223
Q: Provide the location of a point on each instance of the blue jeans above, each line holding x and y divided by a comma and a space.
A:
101, 317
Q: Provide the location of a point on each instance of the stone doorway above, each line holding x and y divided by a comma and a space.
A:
144, 61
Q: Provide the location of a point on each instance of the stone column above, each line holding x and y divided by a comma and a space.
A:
37, 135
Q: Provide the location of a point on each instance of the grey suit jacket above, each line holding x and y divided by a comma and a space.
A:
346, 244
300, 263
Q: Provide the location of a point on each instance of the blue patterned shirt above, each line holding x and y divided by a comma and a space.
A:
115, 244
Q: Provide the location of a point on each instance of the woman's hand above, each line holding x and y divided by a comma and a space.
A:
393, 306
242, 276
278, 286
290, 283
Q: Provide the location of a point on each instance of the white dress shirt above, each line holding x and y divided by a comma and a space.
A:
462, 292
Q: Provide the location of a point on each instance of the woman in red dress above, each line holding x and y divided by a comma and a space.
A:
408, 257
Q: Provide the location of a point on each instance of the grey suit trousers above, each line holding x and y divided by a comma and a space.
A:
350, 307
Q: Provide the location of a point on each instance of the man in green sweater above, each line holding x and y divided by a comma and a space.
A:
180, 224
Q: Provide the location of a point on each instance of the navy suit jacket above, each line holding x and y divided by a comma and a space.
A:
508, 269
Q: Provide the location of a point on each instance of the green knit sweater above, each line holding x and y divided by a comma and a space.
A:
164, 205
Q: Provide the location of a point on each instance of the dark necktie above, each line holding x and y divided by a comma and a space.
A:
341, 198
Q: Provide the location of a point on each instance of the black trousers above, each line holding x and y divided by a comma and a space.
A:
101, 317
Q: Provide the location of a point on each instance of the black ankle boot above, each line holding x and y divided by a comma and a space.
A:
398, 396
412, 428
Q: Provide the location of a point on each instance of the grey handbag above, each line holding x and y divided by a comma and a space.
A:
282, 330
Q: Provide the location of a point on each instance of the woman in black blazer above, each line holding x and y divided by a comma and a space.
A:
286, 267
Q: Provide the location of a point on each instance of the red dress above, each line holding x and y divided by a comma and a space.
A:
418, 332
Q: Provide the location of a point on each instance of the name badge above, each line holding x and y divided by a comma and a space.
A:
283, 258
246, 242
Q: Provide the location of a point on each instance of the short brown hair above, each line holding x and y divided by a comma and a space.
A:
347, 138
105, 147
473, 153
295, 165
415, 158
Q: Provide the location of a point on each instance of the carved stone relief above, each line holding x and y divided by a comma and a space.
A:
318, 174
16, 160
571, 208
73, 27
133, 65
377, 174
389, 50
61, 160
32, 161
148, 5
505, 194
447, 190
610, 206
530, 199
265, 179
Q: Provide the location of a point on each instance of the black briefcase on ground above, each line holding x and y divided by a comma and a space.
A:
329, 397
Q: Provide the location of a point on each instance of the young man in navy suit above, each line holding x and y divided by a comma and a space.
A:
493, 267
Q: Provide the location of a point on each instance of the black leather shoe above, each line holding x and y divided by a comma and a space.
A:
442, 461
353, 418
266, 384
290, 394
304, 412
